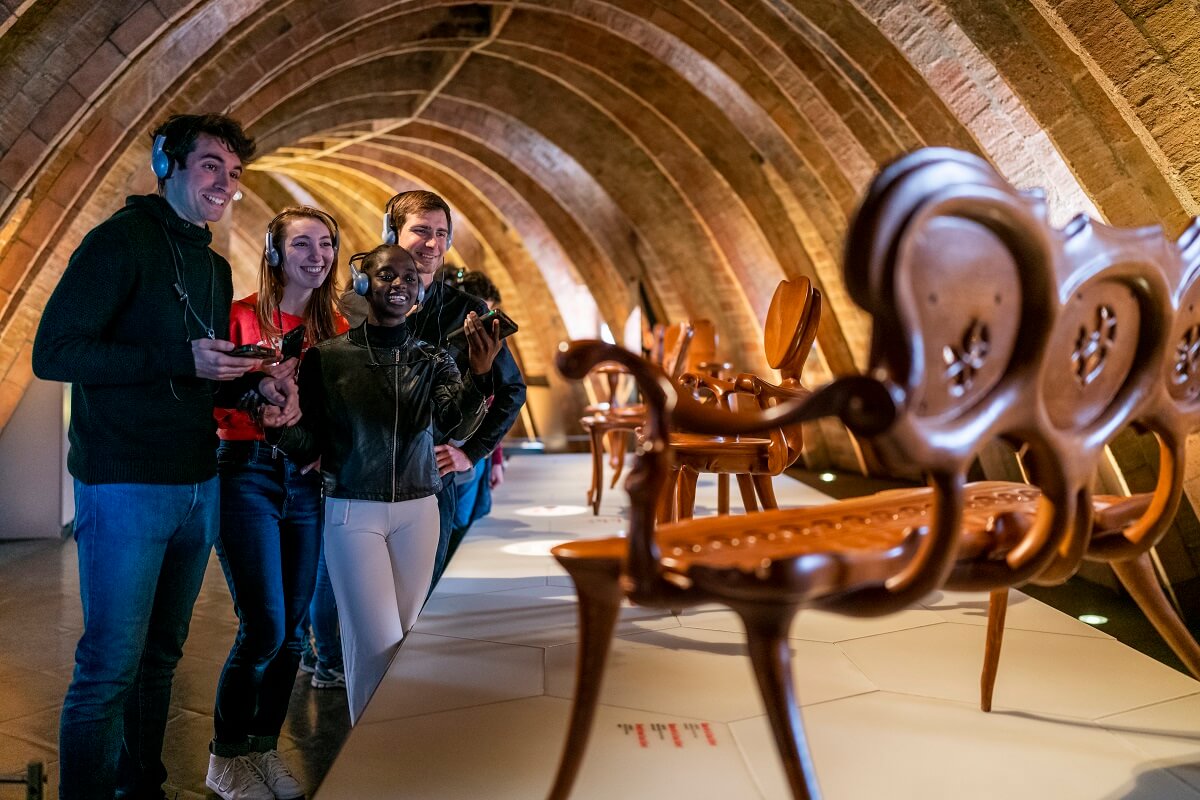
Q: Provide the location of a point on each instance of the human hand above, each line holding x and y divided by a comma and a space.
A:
283, 369
212, 362
482, 344
284, 398
497, 476
450, 459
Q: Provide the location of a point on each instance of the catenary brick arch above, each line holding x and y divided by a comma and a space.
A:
597, 152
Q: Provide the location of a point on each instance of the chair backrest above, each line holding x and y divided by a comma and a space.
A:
791, 326
987, 323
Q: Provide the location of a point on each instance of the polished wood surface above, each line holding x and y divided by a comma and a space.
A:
611, 423
788, 336
987, 324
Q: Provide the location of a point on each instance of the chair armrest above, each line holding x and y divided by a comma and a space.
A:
863, 404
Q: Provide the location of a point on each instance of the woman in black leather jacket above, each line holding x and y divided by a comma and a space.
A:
370, 399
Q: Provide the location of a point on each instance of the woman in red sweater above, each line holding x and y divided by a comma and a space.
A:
271, 519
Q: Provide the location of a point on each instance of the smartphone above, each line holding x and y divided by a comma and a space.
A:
292, 343
507, 327
253, 351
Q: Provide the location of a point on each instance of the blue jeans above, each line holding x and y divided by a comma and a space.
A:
447, 500
142, 553
323, 615
269, 546
474, 499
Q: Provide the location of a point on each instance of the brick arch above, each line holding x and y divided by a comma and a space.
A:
751, 124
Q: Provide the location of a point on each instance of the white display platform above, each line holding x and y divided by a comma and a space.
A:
475, 705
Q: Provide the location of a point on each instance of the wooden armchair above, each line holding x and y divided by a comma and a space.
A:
608, 423
981, 313
788, 336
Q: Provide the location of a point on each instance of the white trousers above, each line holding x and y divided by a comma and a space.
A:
380, 558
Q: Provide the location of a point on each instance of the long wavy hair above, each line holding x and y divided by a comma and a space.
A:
321, 312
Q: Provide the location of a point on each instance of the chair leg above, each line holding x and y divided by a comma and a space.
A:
997, 609
766, 491
1137, 576
597, 469
666, 504
597, 584
686, 494
746, 487
766, 637
616, 443
722, 493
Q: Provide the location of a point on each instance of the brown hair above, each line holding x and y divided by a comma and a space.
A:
416, 202
321, 313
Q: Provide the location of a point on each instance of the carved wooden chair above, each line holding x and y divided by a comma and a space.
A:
1113, 269
788, 336
609, 423
979, 310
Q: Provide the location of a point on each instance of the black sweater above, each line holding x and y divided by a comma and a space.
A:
116, 329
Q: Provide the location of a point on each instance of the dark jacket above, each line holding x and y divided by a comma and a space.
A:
370, 398
116, 329
444, 311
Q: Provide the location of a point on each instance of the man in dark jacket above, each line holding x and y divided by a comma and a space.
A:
420, 222
133, 325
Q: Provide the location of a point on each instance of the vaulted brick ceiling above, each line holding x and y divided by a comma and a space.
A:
699, 149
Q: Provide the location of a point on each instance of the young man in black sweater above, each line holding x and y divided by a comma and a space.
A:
137, 326
420, 222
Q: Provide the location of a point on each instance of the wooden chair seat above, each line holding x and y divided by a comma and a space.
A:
789, 332
864, 539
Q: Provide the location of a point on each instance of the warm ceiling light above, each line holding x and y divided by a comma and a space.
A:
1093, 619
828, 477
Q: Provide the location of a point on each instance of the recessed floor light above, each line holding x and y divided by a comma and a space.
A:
1093, 619
828, 477
550, 511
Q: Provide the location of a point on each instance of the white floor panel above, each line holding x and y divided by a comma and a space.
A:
475, 705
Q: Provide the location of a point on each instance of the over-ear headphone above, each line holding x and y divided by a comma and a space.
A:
389, 235
160, 161
360, 281
271, 253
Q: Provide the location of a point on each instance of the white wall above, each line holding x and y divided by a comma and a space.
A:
35, 490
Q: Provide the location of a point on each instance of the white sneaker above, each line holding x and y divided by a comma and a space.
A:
277, 776
236, 778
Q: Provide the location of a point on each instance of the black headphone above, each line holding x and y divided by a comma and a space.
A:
271, 253
360, 281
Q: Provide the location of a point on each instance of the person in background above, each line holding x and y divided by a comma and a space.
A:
133, 325
270, 537
322, 656
371, 398
474, 486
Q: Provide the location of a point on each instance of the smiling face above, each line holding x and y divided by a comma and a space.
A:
393, 287
307, 253
426, 236
200, 191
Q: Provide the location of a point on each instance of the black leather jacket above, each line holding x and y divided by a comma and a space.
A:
444, 310
370, 400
